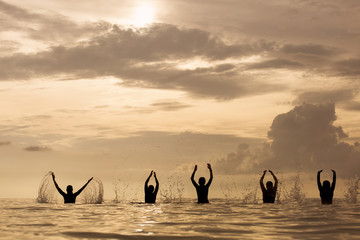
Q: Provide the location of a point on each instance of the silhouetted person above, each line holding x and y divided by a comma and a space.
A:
202, 189
69, 196
150, 192
269, 193
326, 192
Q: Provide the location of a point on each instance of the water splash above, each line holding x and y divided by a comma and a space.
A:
295, 195
250, 194
173, 190
121, 190
229, 189
93, 193
353, 190
47, 192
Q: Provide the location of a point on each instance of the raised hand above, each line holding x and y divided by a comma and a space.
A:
195, 168
53, 175
320, 171
90, 179
209, 166
154, 174
333, 171
265, 171
270, 171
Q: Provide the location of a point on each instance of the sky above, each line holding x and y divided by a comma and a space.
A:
115, 89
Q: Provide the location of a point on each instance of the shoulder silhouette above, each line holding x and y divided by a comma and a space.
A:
69, 196
269, 192
326, 191
150, 191
202, 189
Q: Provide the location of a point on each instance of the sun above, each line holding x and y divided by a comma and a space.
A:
144, 14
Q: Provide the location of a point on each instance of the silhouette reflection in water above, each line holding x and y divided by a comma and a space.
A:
269, 192
69, 196
150, 192
326, 192
202, 189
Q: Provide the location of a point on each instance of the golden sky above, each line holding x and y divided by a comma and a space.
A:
115, 89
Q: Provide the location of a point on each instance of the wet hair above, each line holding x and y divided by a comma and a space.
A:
269, 185
202, 181
69, 189
151, 188
326, 184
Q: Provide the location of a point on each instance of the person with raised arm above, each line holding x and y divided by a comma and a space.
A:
150, 192
202, 189
326, 191
69, 196
269, 193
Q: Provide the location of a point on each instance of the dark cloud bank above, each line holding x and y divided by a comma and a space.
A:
35, 148
304, 138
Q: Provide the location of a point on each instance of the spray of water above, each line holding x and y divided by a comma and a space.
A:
250, 194
229, 189
47, 192
352, 192
173, 190
93, 193
295, 194
121, 190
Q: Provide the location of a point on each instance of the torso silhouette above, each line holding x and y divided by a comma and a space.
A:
69, 197
150, 197
269, 195
202, 189
326, 191
150, 191
202, 193
326, 195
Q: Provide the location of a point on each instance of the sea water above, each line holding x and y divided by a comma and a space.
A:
236, 216
221, 219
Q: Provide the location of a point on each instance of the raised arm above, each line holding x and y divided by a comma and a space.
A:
81, 189
192, 177
157, 183
147, 181
275, 179
262, 181
334, 180
57, 186
318, 179
211, 175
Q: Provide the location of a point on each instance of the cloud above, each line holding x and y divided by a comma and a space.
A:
5, 143
127, 54
244, 160
304, 138
276, 63
352, 106
169, 105
35, 148
308, 49
348, 67
326, 96
45, 27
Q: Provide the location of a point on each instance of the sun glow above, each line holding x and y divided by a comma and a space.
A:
144, 14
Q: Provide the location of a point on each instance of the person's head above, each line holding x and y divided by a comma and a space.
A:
151, 188
326, 184
69, 189
202, 181
269, 185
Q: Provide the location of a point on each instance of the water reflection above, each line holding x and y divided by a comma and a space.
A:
24, 219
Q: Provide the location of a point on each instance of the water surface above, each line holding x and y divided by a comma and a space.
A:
222, 219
